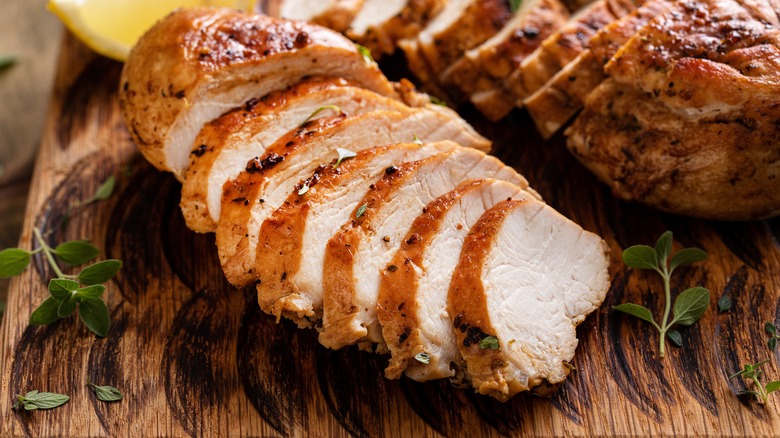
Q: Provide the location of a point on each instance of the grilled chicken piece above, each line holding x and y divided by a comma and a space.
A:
225, 145
335, 14
412, 302
357, 254
460, 26
262, 188
526, 278
292, 240
198, 63
687, 121
564, 45
563, 96
381, 23
481, 72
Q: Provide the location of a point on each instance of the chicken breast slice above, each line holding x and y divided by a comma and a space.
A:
335, 14
562, 97
380, 24
357, 254
527, 277
481, 72
291, 247
198, 63
412, 302
262, 188
225, 145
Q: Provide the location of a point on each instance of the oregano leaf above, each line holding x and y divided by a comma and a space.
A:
770, 328
514, 5
44, 400
46, 313
94, 314
687, 256
343, 155
724, 303
67, 307
13, 261
106, 393
691, 305
365, 53
76, 252
104, 191
640, 257
663, 247
675, 337
489, 343
100, 272
640, 312
61, 288
772, 386
360, 211
772, 343
91, 292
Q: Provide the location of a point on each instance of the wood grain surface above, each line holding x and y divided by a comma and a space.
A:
197, 357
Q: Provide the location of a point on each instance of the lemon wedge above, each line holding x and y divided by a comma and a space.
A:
111, 27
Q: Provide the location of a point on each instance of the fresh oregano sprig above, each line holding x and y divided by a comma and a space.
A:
690, 304
82, 291
771, 329
753, 373
105, 393
39, 400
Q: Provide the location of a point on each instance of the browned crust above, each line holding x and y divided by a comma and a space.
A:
194, 46
396, 304
340, 15
381, 40
468, 307
213, 136
339, 306
240, 195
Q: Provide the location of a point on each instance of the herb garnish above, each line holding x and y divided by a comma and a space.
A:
772, 330
436, 101
416, 140
690, 304
489, 343
39, 400
753, 373
724, 303
68, 292
360, 211
7, 61
319, 110
303, 190
103, 192
343, 155
365, 53
514, 5
423, 358
106, 393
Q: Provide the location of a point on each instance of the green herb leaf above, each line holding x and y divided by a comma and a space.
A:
13, 261
772, 343
675, 336
94, 313
67, 307
640, 257
489, 343
772, 386
514, 5
7, 61
416, 140
91, 292
343, 155
103, 192
303, 190
436, 101
640, 312
61, 288
663, 247
365, 53
319, 110
687, 256
106, 393
76, 252
770, 328
423, 358
691, 305
46, 313
360, 211
100, 272
724, 303
42, 400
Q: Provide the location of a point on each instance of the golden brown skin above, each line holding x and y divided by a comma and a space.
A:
689, 121
195, 54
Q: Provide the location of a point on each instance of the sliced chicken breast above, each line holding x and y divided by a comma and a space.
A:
412, 302
262, 188
563, 96
335, 14
381, 23
198, 63
357, 254
564, 45
226, 144
527, 277
481, 72
291, 247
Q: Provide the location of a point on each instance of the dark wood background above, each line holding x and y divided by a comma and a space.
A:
197, 357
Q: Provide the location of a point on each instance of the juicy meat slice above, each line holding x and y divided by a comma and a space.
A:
687, 121
357, 254
564, 45
381, 23
563, 96
481, 72
527, 276
335, 14
260, 189
198, 63
293, 240
460, 26
412, 302
226, 144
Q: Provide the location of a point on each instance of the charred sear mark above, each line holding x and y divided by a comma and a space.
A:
437, 403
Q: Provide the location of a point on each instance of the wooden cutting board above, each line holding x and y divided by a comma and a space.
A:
195, 356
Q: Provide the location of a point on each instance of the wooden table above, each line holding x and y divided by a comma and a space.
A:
197, 357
